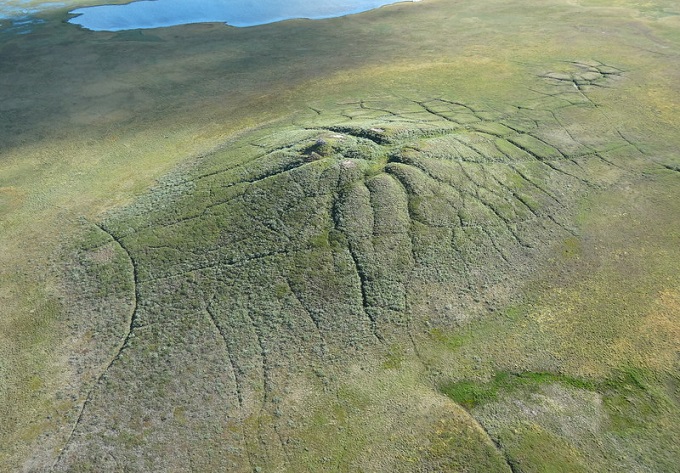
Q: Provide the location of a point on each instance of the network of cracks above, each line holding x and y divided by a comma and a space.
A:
303, 244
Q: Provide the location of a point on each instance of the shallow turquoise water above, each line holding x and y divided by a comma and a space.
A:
159, 13
19, 16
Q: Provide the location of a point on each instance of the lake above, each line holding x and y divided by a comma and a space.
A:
240, 13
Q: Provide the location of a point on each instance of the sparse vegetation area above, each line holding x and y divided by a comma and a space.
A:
433, 237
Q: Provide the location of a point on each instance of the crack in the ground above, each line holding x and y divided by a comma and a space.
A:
336, 216
670, 167
493, 172
315, 320
230, 356
631, 143
122, 346
374, 135
231, 263
266, 386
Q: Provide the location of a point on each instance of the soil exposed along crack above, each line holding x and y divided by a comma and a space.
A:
249, 162
494, 243
372, 135
229, 262
286, 168
230, 356
512, 464
631, 143
363, 281
530, 181
122, 345
135, 272
266, 386
671, 168
314, 320
409, 277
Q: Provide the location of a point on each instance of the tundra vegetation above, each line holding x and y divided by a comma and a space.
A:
441, 236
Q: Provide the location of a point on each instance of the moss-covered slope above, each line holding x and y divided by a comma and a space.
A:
266, 271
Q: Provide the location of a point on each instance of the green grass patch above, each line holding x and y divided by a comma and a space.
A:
394, 357
571, 248
632, 397
452, 341
471, 394
633, 400
533, 449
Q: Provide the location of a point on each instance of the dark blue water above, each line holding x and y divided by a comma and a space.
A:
159, 13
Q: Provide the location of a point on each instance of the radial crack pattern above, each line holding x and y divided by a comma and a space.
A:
314, 238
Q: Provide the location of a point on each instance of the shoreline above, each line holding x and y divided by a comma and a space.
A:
148, 14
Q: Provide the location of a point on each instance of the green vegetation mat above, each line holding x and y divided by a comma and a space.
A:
435, 237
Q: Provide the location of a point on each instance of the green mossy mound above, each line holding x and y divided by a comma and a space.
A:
295, 251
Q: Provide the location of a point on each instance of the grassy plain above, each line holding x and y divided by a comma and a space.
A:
408, 240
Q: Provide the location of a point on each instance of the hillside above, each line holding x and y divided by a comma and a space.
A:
432, 237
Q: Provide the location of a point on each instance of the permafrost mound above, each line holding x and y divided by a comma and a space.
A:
302, 249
